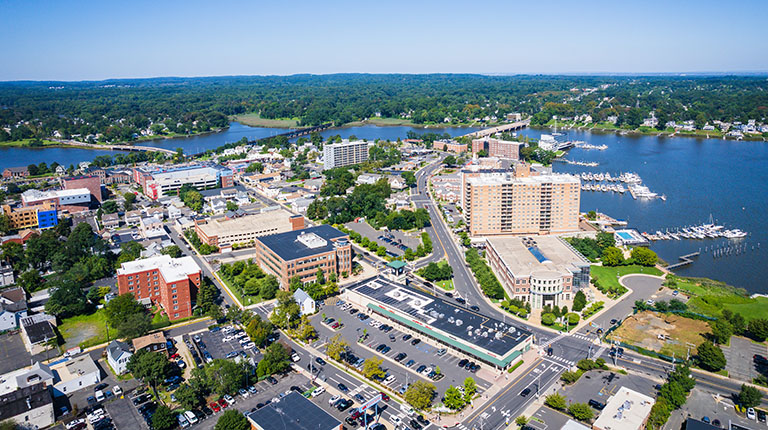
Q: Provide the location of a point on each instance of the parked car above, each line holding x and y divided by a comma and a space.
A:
215, 407
343, 388
415, 341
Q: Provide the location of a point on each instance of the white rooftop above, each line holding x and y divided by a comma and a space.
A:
172, 269
519, 255
37, 195
625, 410
311, 240
509, 178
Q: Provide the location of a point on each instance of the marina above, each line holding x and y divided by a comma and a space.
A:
699, 232
583, 145
580, 163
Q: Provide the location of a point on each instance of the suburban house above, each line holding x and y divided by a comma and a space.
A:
13, 307
152, 342
15, 172
133, 217
306, 303
110, 220
76, 374
118, 354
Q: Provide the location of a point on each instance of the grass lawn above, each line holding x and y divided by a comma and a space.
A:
254, 120
27, 142
710, 297
608, 275
447, 285
85, 330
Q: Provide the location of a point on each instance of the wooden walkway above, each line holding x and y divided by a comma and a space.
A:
684, 260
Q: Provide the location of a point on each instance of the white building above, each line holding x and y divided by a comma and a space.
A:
13, 307
345, 153
75, 374
306, 303
118, 354
625, 410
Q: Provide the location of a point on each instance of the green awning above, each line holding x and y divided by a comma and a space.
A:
396, 264
469, 350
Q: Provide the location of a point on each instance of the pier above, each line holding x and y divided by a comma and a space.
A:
684, 260
518, 125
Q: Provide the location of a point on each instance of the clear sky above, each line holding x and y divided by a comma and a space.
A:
79, 40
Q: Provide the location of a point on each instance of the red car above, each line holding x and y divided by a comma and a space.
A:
215, 407
384, 396
223, 403
175, 356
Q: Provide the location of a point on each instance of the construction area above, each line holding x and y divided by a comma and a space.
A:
668, 334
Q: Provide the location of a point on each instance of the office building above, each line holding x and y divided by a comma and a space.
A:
41, 216
450, 146
467, 333
497, 148
73, 200
542, 270
520, 202
92, 183
294, 412
302, 252
345, 153
227, 231
159, 181
626, 410
171, 283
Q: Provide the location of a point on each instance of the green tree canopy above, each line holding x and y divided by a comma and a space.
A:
420, 394
710, 357
232, 420
164, 418
749, 396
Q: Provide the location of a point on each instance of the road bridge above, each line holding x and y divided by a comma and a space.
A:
517, 125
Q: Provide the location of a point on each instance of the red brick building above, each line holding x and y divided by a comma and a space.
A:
92, 183
15, 172
170, 283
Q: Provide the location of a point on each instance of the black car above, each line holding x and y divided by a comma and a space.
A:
100, 387
460, 300
386, 350
423, 421
380, 347
597, 405
406, 336
320, 361
550, 351
399, 357
343, 388
295, 388
415, 425
420, 368
350, 421
208, 411
415, 341
352, 311
475, 308
199, 414
449, 294
272, 380
614, 321
463, 362
761, 416
344, 405
525, 392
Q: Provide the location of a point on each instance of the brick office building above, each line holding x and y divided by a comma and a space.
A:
92, 183
169, 282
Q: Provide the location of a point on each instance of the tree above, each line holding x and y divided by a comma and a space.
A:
255, 167
128, 316
258, 330
224, 376
67, 299
722, 330
381, 251
150, 367
164, 418
749, 397
207, 295
9, 425
613, 256
548, 318
581, 411
710, 357
556, 401
337, 346
470, 388
174, 251
758, 329
579, 301
644, 256
232, 206
320, 277
420, 394
109, 207
372, 368
5, 224
409, 177
453, 398
449, 160
521, 421
286, 312
276, 360
188, 397
30, 280
232, 420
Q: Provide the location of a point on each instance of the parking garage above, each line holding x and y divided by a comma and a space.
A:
499, 344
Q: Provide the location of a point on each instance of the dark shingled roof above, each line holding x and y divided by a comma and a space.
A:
38, 332
288, 248
16, 169
293, 412
15, 402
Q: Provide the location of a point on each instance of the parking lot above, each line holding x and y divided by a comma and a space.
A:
702, 404
418, 356
13, 355
740, 361
217, 347
600, 385
396, 241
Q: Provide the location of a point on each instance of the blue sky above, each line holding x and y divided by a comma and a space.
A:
78, 40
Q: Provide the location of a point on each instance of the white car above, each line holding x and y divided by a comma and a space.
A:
190, 416
228, 338
75, 423
318, 391
117, 391
334, 399
229, 399
244, 340
295, 357
390, 379
249, 345
426, 371
751, 413
395, 420
99, 396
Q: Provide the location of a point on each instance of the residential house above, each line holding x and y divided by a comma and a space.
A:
110, 220
118, 354
306, 303
74, 375
13, 307
174, 212
133, 217
6, 274
154, 342
217, 206
301, 205
158, 213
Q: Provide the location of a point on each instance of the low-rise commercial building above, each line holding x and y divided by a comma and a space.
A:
245, 229
15, 172
171, 283
450, 146
157, 182
44, 215
542, 270
466, 332
75, 374
73, 200
37, 331
625, 410
345, 153
294, 412
302, 252
30, 407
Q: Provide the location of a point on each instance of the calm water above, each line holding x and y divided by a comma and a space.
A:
724, 178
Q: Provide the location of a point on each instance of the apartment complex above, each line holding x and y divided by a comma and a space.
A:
42, 216
169, 282
450, 146
520, 202
92, 183
497, 148
72, 200
541, 270
159, 182
345, 153
225, 231
301, 252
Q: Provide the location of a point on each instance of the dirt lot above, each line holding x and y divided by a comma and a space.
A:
643, 329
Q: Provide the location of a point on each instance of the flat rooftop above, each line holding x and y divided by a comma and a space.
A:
172, 269
294, 412
35, 195
75, 368
626, 410
274, 219
525, 255
427, 313
302, 243
509, 178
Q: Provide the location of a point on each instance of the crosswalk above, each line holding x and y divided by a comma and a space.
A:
561, 360
582, 337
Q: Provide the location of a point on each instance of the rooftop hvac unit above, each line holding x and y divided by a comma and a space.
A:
450, 320
470, 328
498, 335
442, 315
459, 322
511, 329
485, 334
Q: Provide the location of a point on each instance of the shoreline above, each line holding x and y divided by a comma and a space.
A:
655, 133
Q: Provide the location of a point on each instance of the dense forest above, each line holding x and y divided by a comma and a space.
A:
120, 109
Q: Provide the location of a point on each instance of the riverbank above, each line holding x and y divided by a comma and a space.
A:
645, 131
710, 297
254, 120
27, 143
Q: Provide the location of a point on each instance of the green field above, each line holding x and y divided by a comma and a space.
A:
447, 285
85, 330
28, 143
609, 276
254, 120
710, 297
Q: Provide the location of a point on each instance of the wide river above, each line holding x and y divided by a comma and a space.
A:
724, 178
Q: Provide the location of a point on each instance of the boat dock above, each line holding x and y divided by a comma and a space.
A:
684, 260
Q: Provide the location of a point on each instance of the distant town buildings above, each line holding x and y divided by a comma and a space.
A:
541, 270
345, 153
302, 252
520, 202
171, 283
226, 231
15, 172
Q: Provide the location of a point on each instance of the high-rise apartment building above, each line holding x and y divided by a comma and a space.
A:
345, 153
520, 202
497, 148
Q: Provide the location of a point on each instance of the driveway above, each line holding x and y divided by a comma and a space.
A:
740, 358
